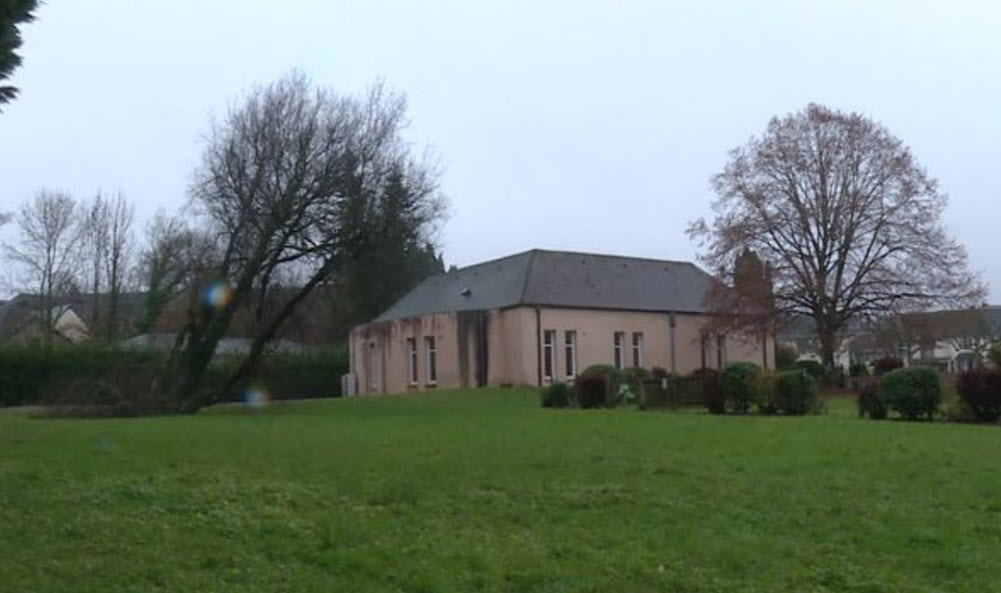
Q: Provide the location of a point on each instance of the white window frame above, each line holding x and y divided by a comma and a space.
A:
548, 354
412, 373
431, 360
618, 350
570, 349
637, 349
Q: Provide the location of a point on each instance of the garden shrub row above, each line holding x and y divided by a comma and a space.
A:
913, 392
746, 387
121, 379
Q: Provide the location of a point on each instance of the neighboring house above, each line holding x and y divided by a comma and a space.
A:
543, 316
21, 321
950, 341
226, 347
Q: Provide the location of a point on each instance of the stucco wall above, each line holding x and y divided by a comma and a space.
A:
514, 343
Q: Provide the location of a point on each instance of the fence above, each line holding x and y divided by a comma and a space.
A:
672, 393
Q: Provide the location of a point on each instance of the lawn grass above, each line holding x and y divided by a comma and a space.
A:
486, 491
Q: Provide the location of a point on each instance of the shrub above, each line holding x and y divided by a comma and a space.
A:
980, 391
886, 364
739, 383
591, 391
798, 393
767, 392
557, 395
858, 369
785, 357
612, 378
994, 354
912, 392
833, 378
712, 390
869, 402
812, 367
632, 381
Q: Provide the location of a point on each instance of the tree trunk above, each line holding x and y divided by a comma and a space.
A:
828, 343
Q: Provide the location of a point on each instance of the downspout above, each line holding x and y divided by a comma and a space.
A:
673, 323
538, 345
764, 350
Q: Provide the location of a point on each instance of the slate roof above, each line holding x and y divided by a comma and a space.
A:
560, 279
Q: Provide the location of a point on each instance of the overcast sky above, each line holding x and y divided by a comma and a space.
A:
591, 126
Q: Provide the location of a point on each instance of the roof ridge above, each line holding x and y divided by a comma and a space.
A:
528, 275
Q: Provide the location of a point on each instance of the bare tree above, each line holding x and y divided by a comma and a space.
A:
173, 257
94, 242
849, 222
118, 256
291, 180
47, 249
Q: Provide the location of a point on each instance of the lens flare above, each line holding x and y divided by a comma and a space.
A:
255, 397
217, 295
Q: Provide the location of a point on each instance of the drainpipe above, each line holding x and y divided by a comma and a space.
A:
673, 323
538, 345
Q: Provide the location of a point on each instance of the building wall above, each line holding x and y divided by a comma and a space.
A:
514, 343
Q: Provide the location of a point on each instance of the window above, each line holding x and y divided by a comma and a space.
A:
412, 360
429, 353
548, 354
637, 349
571, 351
617, 348
720, 351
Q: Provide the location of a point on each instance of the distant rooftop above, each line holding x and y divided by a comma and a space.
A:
560, 279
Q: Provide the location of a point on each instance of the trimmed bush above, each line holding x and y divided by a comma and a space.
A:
812, 367
739, 383
798, 393
886, 364
632, 381
767, 392
785, 357
912, 392
612, 378
980, 391
712, 390
869, 402
557, 395
590, 391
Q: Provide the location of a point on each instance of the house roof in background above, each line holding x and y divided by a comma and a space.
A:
560, 279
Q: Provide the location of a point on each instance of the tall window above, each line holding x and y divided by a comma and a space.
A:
412, 360
720, 351
638, 349
619, 358
429, 353
548, 354
570, 339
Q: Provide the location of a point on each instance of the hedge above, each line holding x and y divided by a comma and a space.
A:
980, 391
739, 383
912, 392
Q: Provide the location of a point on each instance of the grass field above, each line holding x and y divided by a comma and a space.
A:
486, 491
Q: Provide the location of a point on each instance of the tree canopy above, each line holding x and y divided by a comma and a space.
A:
846, 219
12, 14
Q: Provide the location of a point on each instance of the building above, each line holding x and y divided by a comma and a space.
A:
543, 316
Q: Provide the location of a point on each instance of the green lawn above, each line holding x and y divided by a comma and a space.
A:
485, 491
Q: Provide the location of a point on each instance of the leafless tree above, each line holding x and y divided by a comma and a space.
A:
94, 242
293, 181
46, 249
118, 256
173, 256
849, 222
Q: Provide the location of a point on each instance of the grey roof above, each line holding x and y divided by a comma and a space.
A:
560, 279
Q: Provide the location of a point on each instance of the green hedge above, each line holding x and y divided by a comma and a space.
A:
739, 381
912, 392
99, 374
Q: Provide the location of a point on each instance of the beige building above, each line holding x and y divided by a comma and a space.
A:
543, 316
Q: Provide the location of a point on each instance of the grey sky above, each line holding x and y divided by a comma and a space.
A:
591, 126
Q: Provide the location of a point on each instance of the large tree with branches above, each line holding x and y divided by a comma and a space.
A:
296, 184
849, 223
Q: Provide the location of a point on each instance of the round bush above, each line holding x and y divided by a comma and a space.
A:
739, 382
557, 395
766, 392
633, 379
912, 392
886, 364
869, 402
611, 376
980, 390
712, 390
590, 391
798, 393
